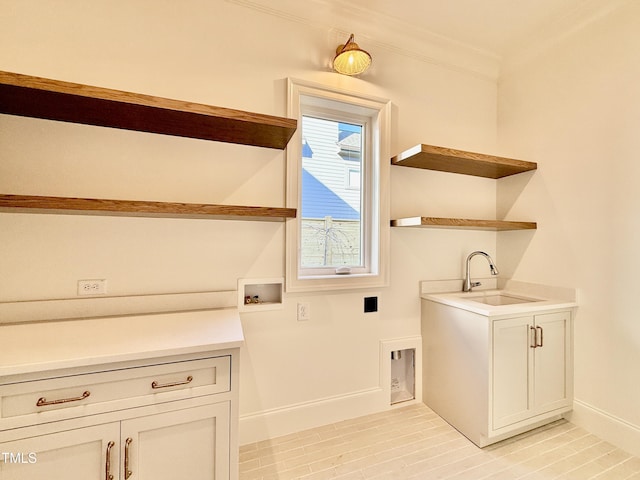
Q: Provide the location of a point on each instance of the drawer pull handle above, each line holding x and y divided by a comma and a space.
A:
127, 472
174, 384
108, 475
534, 337
43, 402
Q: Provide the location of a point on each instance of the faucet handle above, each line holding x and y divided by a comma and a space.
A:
475, 284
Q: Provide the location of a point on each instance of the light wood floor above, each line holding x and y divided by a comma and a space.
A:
413, 442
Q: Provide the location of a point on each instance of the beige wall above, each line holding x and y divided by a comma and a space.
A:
293, 374
575, 109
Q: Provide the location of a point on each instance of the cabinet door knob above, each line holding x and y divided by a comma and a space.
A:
108, 475
127, 472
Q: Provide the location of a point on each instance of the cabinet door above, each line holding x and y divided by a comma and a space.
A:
191, 444
512, 383
552, 361
80, 453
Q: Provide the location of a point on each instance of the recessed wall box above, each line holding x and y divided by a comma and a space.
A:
403, 375
259, 294
401, 370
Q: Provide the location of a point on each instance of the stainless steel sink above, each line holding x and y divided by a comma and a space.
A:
501, 299
495, 302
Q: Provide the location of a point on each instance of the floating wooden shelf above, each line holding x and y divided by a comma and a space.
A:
94, 206
457, 161
436, 222
37, 97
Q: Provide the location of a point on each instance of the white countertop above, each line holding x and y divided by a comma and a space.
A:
33, 347
466, 301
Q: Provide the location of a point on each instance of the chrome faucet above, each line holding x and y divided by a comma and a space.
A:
468, 284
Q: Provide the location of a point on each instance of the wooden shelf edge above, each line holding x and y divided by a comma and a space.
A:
442, 159
136, 208
38, 97
463, 223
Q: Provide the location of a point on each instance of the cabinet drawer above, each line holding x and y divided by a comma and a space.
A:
90, 393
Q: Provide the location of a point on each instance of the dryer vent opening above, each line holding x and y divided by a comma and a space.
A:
403, 377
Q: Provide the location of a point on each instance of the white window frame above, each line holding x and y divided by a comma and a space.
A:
367, 211
306, 95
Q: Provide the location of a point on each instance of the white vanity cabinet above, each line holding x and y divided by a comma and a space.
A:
531, 367
141, 415
494, 376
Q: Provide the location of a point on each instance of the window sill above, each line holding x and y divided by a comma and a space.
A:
323, 283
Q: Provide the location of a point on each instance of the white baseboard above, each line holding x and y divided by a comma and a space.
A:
258, 426
294, 418
610, 428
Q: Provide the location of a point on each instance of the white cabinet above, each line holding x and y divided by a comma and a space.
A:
78, 453
531, 366
191, 443
158, 419
492, 378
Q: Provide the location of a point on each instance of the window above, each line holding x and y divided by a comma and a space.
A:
331, 217
353, 179
337, 178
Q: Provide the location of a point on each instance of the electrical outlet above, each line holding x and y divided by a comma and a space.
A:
92, 287
304, 311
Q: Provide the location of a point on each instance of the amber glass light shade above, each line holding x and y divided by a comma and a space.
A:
350, 59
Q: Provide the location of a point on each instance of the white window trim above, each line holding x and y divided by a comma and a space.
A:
380, 112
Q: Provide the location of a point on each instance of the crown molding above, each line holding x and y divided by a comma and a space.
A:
377, 31
555, 30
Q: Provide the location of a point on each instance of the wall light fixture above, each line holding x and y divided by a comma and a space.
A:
350, 59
